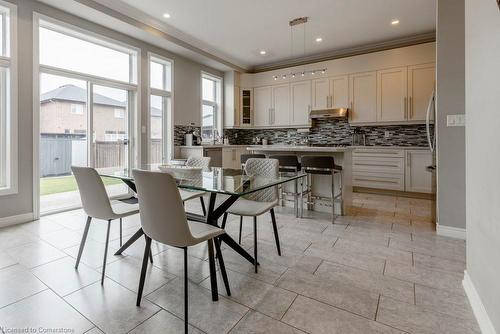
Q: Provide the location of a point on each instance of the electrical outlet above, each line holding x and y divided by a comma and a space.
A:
455, 120
236, 135
387, 134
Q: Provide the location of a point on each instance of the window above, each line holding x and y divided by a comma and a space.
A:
210, 107
77, 109
119, 113
8, 100
160, 104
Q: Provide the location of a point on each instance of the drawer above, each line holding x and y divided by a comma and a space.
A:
379, 181
378, 165
385, 153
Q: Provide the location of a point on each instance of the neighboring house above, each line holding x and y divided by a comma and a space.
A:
63, 111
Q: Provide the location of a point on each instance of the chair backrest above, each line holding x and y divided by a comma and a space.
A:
160, 206
245, 157
316, 161
95, 200
264, 168
203, 162
287, 162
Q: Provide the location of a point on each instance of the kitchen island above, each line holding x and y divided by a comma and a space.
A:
321, 184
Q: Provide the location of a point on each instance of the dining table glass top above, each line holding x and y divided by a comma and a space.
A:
213, 179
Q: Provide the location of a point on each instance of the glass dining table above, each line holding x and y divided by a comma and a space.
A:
228, 184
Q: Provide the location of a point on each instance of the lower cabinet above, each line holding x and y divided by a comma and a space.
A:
231, 157
417, 178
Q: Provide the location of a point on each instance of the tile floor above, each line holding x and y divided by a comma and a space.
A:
382, 269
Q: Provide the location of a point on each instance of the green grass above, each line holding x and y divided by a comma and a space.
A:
62, 184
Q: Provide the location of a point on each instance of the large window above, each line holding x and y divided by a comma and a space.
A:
87, 109
210, 107
8, 100
160, 104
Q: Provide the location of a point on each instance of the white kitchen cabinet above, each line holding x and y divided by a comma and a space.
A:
246, 106
392, 95
262, 105
363, 97
417, 178
231, 157
320, 93
379, 169
300, 102
421, 83
231, 99
280, 110
330, 93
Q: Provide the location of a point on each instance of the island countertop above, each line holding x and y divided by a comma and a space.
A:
298, 148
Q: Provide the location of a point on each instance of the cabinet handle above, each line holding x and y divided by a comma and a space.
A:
405, 108
410, 104
408, 160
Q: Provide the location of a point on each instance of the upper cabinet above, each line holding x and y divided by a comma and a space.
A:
300, 102
421, 83
320, 93
262, 106
246, 106
280, 110
330, 93
363, 96
392, 100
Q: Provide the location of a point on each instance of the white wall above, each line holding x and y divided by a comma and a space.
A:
482, 42
186, 93
450, 100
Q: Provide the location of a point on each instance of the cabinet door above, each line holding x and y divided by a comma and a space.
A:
392, 94
227, 157
262, 106
421, 79
417, 178
320, 94
363, 95
246, 106
280, 110
339, 92
300, 102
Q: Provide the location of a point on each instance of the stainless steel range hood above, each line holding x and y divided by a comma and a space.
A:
328, 113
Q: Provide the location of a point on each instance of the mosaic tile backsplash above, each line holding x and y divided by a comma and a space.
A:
326, 132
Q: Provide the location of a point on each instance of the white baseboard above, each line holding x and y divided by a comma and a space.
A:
13, 220
478, 308
452, 232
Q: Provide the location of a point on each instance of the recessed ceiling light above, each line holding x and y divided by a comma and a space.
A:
394, 22
319, 40
263, 52
166, 15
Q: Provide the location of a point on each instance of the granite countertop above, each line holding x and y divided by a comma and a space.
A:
212, 146
378, 147
292, 148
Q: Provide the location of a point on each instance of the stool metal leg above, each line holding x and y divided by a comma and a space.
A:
301, 197
295, 199
333, 196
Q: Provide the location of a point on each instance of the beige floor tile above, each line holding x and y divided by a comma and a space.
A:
17, 283
205, 314
165, 323
415, 319
339, 294
172, 261
437, 263
365, 248
15, 236
63, 238
44, 310
434, 248
442, 301
94, 330
69, 220
363, 279
137, 248
258, 323
41, 227
263, 297
318, 318
6, 260
93, 254
62, 277
111, 307
35, 253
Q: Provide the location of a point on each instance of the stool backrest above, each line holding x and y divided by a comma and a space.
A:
245, 157
263, 169
321, 162
95, 200
203, 162
287, 161
161, 209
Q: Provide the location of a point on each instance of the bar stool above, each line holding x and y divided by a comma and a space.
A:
289, 163
245, 157
322, 165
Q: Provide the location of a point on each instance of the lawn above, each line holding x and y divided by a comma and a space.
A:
61, 184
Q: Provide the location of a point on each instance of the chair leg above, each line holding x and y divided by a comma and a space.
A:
202, 202
105, 253
150, 256
222, 266
224, 220
147, 250
185, 290
255, 242
241, 227
82, 243
275, 229
213, 275
121, 231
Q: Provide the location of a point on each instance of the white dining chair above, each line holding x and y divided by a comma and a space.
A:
259, 202
163, 219
186, 195
96, 205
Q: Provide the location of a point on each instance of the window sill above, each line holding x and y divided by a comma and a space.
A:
8, 191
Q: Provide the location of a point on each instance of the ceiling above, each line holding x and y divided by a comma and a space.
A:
238, 29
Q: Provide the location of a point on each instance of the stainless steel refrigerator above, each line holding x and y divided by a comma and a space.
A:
431, 139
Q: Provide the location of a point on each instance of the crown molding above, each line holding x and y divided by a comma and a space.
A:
349, 52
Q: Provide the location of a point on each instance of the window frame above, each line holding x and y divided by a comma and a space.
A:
9, 112
217, 104
167, 117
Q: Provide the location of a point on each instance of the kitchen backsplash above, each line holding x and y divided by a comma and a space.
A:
326, 132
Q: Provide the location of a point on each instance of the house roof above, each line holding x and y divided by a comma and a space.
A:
74, 93
77, 94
